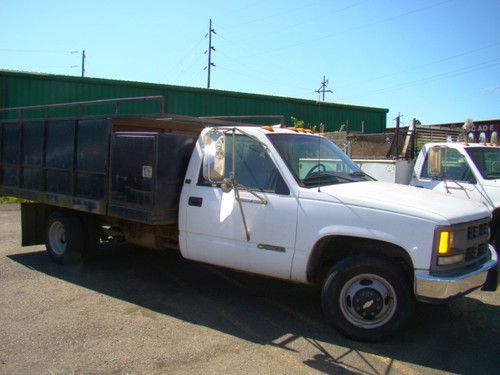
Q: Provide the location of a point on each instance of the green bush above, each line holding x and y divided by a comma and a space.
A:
6, 200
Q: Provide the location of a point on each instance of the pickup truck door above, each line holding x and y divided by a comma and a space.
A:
215, 232
457, 177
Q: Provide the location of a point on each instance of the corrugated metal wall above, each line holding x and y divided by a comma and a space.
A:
21, 89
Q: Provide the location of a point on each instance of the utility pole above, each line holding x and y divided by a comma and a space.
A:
210, 49
396, 135
83, 63
322, 89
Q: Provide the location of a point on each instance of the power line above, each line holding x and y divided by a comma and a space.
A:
259, 74
36, 51
444, 75
345, 31
41, 66
422, 65
284, 28
187, 56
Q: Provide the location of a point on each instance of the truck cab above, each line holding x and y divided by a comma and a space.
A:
463, 170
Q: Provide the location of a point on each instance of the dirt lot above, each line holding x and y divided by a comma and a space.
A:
130, 310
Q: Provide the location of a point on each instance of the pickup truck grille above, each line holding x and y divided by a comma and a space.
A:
476, 231
475, 252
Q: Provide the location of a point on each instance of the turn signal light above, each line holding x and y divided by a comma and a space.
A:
444, 243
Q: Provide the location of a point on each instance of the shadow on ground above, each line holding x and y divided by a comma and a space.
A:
461, 337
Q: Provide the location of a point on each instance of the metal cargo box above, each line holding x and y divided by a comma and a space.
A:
58, 162
147, 172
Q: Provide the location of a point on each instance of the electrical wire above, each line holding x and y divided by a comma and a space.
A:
420, 66
283, 29
439, 76
345, 31
261, 74
36, 51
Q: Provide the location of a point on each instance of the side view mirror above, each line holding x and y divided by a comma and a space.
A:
434, 162
214, 156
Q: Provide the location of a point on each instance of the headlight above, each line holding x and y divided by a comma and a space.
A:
446, 248
444, 261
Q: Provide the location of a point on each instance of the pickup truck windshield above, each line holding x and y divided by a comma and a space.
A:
487, 161
316, 161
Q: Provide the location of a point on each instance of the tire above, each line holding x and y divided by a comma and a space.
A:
367, 298
64, 237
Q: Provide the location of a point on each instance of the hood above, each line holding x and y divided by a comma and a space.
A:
401, 199
492, 190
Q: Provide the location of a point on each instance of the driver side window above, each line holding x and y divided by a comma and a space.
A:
253, 167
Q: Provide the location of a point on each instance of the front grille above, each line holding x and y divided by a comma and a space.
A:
476, 231
477, 241
475, 252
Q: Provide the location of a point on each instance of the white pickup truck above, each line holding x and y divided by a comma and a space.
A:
272, 201
463, 170
292, 205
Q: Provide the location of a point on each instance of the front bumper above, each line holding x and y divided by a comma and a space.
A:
436, 288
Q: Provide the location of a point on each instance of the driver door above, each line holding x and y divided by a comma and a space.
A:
215, 227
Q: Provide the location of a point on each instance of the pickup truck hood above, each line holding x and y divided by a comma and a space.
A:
492, 190
401, 199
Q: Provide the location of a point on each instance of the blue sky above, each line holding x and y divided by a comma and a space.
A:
435, 60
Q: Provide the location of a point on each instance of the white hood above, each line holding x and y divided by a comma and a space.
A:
402, 199
491, 189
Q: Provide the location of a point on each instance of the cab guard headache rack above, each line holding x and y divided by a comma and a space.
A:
116, 102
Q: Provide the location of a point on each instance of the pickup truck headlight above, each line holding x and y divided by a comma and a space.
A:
461, 246
446, 250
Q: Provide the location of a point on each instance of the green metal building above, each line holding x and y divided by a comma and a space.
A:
24, 89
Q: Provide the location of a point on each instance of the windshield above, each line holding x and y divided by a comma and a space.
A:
486, 160
316, 161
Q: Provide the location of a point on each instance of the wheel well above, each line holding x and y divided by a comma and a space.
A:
34, 218
329, 250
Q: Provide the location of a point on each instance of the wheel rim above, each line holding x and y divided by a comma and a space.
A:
57, 237
368, 301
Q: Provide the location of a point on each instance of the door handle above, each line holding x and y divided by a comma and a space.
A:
195, 201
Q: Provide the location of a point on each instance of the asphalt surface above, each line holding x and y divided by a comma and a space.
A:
135, 311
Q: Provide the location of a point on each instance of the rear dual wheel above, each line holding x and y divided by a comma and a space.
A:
64, 238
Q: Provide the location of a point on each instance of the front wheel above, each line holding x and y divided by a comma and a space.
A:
367, 298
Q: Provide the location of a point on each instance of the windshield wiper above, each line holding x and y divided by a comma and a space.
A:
361, 174
358, 173
492, 175
327, 176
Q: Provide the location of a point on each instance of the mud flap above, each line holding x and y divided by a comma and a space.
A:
492, 280
33, 221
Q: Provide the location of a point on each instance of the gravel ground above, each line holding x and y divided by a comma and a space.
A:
135, 311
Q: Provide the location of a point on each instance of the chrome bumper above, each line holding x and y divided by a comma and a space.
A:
429, 287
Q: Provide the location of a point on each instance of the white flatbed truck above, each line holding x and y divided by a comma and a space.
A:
274, 201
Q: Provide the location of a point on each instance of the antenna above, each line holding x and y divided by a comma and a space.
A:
319, 160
